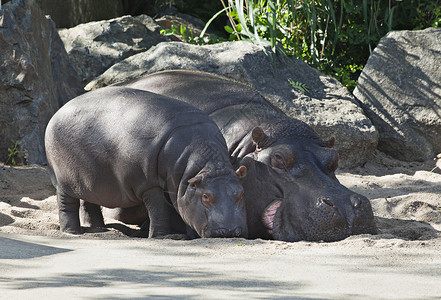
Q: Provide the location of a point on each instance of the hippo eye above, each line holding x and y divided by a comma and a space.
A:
207, 201
283, 158
278, 161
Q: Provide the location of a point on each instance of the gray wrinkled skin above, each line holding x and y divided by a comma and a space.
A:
251, 126
120, 147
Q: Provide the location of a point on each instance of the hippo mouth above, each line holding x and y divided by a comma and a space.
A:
269, 213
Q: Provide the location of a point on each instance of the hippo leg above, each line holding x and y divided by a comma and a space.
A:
91, 215
68, 212
159, 212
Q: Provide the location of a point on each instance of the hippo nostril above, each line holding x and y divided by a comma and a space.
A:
327, 201
356, 201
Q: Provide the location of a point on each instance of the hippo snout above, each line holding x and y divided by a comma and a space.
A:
356, 208
358, 201
228, 233
363, 217
352, 211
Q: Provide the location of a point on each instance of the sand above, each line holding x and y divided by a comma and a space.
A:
402, 262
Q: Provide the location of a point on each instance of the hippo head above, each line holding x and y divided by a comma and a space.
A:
314, 205
212, 204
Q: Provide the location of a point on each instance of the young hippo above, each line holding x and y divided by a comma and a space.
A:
120, 147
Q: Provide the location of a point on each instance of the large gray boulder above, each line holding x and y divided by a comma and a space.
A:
36, 78
94, 47
328, 106
400, 92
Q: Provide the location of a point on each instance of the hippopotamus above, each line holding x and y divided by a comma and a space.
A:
305, 163
121, 147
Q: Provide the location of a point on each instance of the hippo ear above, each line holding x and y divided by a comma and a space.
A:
241, 172
195, 182
260, 138
330, 143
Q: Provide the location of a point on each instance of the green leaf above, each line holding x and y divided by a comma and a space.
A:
299, 86
183, 29
166, 32
174, 29
228, 29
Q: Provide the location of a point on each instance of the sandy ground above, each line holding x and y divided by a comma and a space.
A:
402, 262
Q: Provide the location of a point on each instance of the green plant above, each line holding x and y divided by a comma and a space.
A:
180, 31
336, 37
299, 86
13, 152
187, 35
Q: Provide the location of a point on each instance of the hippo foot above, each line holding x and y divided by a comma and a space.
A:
158, 234
173, 236
75, 231
70, 225
95, 229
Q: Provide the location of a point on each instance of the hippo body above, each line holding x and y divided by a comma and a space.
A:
120, 147
321, 208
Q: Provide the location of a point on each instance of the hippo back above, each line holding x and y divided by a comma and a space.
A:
187, 86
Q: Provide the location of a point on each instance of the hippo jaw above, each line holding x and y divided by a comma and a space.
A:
325, 219
313, 224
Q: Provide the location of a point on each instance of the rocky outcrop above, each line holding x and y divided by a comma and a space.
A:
324, 103
94, 47
400, 92
69, 13
190, 23
36, 78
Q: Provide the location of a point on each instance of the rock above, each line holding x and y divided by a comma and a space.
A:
36, 78
328, 106
69, 13
400, 92
190, 23
94, 47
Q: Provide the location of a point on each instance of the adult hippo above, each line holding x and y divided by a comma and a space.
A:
121, 147
251, 126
